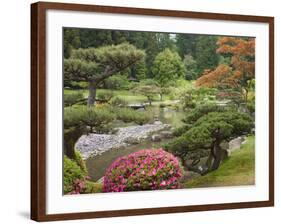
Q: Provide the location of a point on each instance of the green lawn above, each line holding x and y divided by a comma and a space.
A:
126, 95
239, 169
132, 97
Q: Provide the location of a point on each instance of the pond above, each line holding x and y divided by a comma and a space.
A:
97, 165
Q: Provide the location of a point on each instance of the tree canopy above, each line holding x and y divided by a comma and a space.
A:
205, 53
148, 88
94, 65
201, 48
240, 73
186, 44
167, 68
190, 67
206, 128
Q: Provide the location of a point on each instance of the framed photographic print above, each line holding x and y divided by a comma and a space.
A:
143, 111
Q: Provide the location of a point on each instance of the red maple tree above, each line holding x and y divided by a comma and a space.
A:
239, 73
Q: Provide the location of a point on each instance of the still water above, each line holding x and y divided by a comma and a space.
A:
97, 165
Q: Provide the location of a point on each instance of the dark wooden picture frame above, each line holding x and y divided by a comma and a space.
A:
38, 109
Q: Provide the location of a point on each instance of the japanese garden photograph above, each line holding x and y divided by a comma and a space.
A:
157, 111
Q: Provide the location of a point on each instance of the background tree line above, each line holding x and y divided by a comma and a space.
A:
197, 52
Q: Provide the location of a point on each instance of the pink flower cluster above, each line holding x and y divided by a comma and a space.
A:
78, 186
143, 170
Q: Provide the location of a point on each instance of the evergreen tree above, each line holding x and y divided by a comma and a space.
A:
206, 128
94, 65
205, 53
95, 38
186, 44
167, 68
190, 67
71, 40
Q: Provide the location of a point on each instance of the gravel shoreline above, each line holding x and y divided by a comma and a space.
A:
96, 144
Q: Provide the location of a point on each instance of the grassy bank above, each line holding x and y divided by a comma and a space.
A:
126, 95
239, 169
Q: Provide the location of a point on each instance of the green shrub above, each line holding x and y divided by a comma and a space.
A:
72, 172
133, 85
128, 115
73, 129
251, 105
92, 187
207, 129
72, 98
180, 130
190, 98
117, 82
178, 147
75, 177
71, 117
117, 101
105, 96
148, 82
80, 162
98, 119
149, 91
75, 85
105, 129
201, 110
143, 118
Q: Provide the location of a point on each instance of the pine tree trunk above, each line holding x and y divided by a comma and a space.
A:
149, 101
183, 160
92, 94
71, 136
217, 154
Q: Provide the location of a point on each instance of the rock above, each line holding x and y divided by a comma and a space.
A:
189, 175
228, 152
202, 169
157, 122
156, 117
156, 138
141, 110
167, 109
253, 131
236, 144
131, 140
166, 134
224, 145
224, 154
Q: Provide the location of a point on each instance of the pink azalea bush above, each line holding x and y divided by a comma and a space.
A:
78, 186
143, 170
